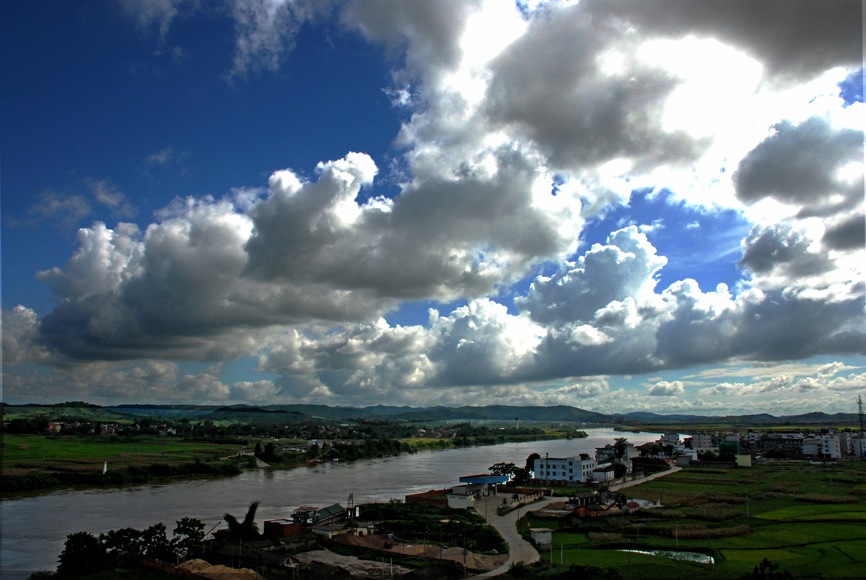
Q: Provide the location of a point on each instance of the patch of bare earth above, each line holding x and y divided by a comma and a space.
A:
472, 560
218, 571
351, 565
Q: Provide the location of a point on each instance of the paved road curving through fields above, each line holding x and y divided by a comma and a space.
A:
520, 549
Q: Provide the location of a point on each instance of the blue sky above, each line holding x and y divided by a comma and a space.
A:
621, 208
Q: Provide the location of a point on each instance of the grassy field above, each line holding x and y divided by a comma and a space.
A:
33, 451
36, 462
810, 520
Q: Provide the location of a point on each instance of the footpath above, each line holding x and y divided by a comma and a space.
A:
519, 549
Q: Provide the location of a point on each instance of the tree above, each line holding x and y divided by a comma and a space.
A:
154, 543
122, 547
620, 447
188, 535
521, 476
37, 425
530, 461
503, 469
313, 451
247, 529
270, 452
83, 553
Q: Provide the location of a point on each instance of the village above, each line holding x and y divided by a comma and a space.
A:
583, 486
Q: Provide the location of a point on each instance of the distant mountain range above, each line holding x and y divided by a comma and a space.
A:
498, 413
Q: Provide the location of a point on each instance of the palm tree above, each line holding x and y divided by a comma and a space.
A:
247, 529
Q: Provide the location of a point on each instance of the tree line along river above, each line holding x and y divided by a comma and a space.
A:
34, 529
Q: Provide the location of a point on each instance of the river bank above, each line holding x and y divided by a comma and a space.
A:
38, 464
35, 528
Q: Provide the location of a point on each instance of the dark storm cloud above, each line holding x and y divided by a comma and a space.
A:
548, 86
781, 248
429, 28
440, 239
797, 164
847, 234
781, 325
792, 38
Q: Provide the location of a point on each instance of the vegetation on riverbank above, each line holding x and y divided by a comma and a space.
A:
38, 463
423, 524
123, 552
136, 454
807, 520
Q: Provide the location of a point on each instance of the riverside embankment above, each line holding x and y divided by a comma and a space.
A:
35, 529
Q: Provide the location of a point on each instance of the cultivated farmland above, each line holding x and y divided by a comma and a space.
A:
809, 520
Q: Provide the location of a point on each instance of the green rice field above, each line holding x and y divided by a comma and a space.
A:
810, 520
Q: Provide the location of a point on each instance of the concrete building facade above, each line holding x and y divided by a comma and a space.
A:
564, 469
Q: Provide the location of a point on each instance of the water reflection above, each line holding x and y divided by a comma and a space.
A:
686, 556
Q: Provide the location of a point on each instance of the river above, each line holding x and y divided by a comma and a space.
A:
34, 529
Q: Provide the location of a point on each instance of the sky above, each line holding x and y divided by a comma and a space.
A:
641, 205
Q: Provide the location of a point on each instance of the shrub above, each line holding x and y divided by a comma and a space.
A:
520, 570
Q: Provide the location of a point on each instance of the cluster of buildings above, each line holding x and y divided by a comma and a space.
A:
613, 461
829, 444
317, 519
99, 428
609, 462
461, 496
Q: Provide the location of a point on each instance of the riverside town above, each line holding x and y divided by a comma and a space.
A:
538, 499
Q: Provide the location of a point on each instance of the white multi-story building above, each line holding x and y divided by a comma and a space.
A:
753, 437
669, 439
703, 442
858, 445
826, 445
607, 454
831, 446
565, 469
846, 442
